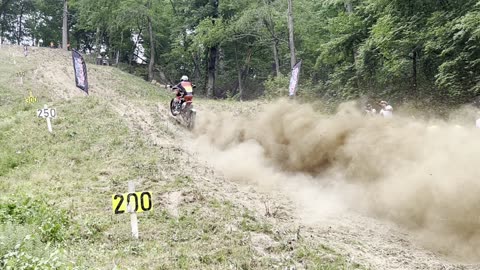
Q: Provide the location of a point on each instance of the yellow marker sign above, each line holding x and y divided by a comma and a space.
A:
140, 202
30, 99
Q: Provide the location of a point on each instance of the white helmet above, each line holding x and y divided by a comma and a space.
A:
184, 78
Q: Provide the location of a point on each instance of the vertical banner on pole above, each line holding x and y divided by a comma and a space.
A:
80, 68
294, 79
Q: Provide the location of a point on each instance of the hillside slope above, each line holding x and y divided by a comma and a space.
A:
56, 211
217, 205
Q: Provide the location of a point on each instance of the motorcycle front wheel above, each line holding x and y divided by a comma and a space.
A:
172, 107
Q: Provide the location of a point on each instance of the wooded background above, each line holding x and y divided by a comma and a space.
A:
425, 50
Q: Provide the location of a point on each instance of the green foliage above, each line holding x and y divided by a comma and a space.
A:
277, 86
28, 253
396, 48
454, 45
51, 223
210, 34
420, 49
30, 233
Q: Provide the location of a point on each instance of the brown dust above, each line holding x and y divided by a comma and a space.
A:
421, 174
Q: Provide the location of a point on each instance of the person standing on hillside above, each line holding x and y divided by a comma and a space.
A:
370, 111
387, 110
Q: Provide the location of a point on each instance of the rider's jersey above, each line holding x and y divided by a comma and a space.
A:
186, 87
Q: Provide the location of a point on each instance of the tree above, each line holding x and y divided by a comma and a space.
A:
293, 59
423, 49
65, 26
212, 54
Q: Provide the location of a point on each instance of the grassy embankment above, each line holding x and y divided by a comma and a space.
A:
55, 208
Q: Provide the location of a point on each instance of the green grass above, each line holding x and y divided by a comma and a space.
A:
55, 208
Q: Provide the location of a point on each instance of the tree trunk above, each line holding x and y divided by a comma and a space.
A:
239, 76
19, 34
293, 58
240, 86
77, 38
152, 50
2, 30
196, 70
212, 63
212, 57
275, 57
246, 65
117, 56
65, 26
348, 7
97, 40
414, 71
270, 25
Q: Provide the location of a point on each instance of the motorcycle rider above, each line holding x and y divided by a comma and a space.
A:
185, 88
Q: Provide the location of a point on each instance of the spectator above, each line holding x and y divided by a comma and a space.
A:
370, 111
99, 59
387, 110
106, 61
478, 119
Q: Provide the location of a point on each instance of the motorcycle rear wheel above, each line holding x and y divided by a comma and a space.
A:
191, 119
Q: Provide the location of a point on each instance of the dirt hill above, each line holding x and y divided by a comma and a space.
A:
254, 186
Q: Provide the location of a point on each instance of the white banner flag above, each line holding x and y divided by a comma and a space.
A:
294, 79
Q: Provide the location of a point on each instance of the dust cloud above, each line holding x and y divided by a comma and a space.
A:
421, 174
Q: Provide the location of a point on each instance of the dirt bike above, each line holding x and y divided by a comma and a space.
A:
184, 108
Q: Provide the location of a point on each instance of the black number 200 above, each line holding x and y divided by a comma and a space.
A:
142, 200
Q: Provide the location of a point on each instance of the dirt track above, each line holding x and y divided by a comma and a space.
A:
374, 243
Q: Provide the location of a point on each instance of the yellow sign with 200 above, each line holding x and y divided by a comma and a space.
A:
139, 201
